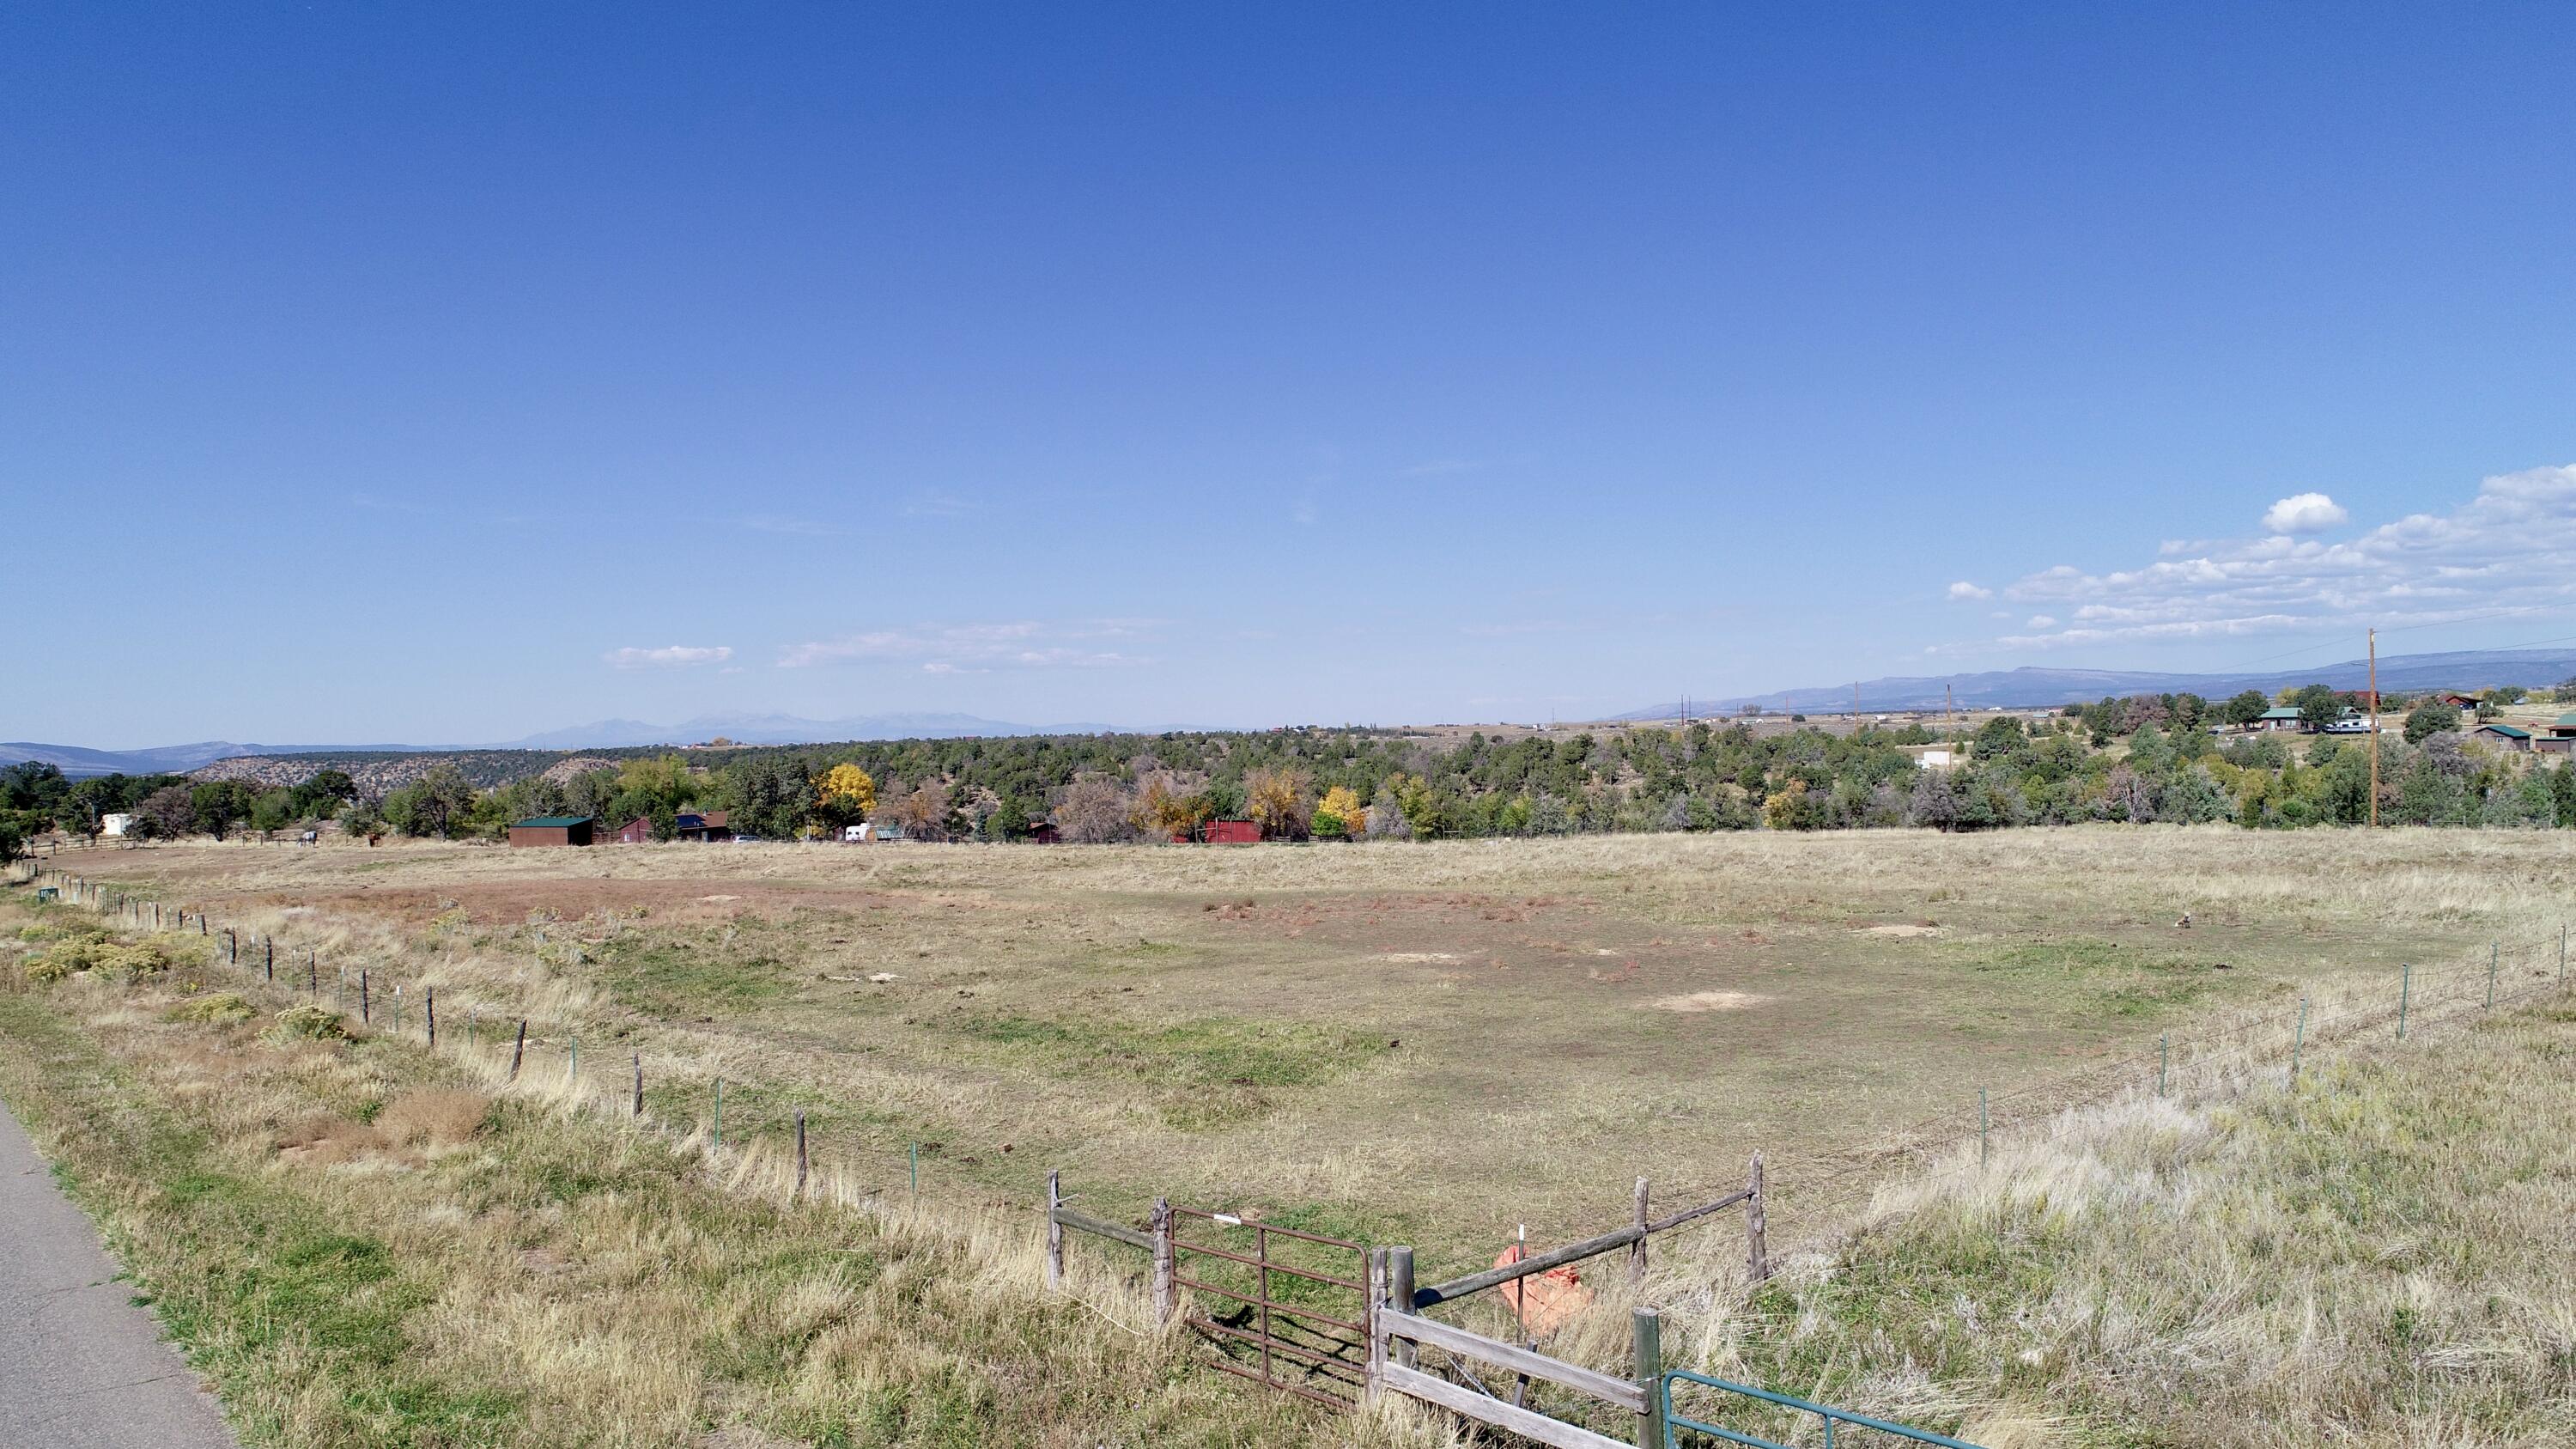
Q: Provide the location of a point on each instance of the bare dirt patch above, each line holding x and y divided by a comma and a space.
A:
1901, 929
1711, 1001
439, 1117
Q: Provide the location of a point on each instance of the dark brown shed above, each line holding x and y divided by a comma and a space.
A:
550, 830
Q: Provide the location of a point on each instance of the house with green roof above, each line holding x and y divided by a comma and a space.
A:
2505, 735
550, 830
2558, 737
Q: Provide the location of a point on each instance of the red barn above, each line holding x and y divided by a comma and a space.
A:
635, 831
1233, 832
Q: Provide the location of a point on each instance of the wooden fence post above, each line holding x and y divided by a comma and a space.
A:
312, 975
269, 946
1167, 1300
800, 1154
1637, 1250
1757, 1225
429, 1009
366, 1001
1647, 1327
519, 1052
1055, 1232
639, 1084
1399, 1296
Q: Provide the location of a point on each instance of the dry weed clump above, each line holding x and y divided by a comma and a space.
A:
219, 1008
312, 1022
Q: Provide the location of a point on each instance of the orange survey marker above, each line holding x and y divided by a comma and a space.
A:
1543, 1301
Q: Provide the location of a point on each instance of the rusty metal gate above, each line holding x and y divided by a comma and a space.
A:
1298, 1319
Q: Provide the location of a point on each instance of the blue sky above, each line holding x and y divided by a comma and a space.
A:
454, 372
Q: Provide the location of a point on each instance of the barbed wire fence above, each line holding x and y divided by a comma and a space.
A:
2276, 1044
754, 1137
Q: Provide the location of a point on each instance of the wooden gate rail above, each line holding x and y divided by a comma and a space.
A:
1397, 1328
1608, 1242
1528, 1423
1066, 1217
1469, 1344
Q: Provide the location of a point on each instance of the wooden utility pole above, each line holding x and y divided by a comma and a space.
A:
1948, 712
2374, 729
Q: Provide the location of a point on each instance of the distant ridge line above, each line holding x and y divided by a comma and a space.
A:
2033, 688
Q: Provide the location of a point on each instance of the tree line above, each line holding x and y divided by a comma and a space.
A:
2136, 758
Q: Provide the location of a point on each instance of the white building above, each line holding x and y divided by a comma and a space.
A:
114, 824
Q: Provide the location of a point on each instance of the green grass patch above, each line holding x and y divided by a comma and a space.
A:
1214, 1070
2095, 977
698, 974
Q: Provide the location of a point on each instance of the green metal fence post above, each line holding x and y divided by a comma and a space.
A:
2298, 1041
2491, 970
717, 1140
572, 1063
913, 1151
2164, 1059
1981, 1127
2405, 989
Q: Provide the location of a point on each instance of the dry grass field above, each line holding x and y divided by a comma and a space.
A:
366, 1242
1432, 1044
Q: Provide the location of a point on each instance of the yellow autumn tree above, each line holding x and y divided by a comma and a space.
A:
1339, 812
1276, 801
845, 795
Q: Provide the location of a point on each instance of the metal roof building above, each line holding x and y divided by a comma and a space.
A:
550, 830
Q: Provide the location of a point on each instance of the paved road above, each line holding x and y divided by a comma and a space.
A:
80, 1366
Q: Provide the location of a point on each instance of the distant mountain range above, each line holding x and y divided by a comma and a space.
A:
2007, 688
749, 729
76, 760
2021, 688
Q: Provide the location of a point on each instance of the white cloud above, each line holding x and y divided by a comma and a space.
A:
2511, 549
977, 648
2304, 513
1965, 590
669, 656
